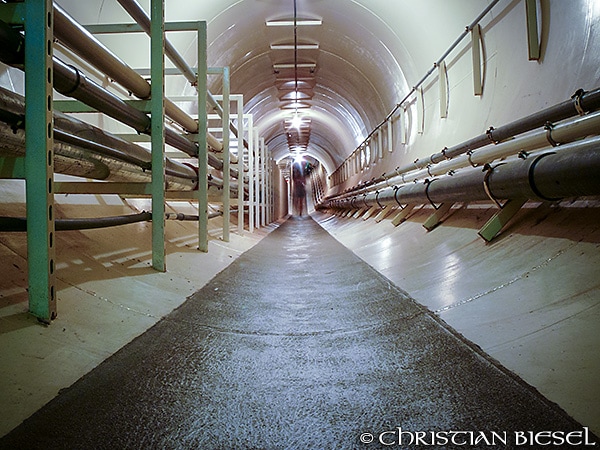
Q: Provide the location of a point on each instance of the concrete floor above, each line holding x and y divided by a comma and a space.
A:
530, 299
298, 344
107, 294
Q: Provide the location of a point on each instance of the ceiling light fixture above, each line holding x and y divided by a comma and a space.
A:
291, 47
294, 23
294, 66
296, 121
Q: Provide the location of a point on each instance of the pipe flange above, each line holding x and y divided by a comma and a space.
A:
428, 183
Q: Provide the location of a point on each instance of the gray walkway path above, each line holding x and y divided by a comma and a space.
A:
297, 345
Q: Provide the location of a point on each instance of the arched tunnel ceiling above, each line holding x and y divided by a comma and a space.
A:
354, 68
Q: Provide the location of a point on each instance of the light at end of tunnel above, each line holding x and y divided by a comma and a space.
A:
296, 122
298, 157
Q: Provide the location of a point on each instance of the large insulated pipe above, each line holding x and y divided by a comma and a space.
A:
70, 82
570, 170
12, 224
78, 160
82, 135
561, 133
580, 103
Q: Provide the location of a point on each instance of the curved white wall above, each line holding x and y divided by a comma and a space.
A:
513, 86
532, 296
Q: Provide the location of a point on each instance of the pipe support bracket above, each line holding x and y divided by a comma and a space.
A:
488, 169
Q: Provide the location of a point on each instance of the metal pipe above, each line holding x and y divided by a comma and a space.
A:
581, 102
218, 183
188, 217
139, 15
468, 28
570, 170
561, 133
84, 136
19, 224
70, 82
83, 43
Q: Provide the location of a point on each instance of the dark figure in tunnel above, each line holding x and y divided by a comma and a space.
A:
298, 188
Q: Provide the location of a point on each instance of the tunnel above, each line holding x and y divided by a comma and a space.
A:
299, 224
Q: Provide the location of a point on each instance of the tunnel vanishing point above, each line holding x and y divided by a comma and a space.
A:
299, 224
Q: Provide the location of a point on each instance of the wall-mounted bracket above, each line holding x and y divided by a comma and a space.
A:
476, 46
420, 110
533, 40
444, 89
499, 220
360, 212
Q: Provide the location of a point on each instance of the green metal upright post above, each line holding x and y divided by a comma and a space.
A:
157, 67
226, 156
202, 139
39, 158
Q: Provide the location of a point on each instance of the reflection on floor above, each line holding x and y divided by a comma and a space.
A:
530, 299
297, 344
